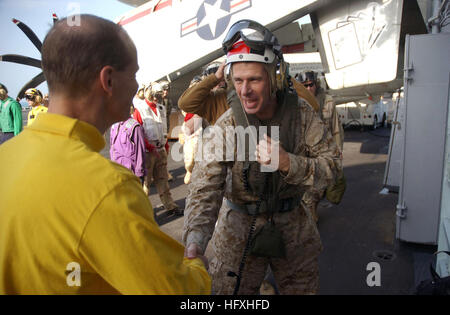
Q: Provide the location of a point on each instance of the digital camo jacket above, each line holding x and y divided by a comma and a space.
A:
218, 174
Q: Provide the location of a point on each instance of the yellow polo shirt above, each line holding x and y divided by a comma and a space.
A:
34, 111
77, 223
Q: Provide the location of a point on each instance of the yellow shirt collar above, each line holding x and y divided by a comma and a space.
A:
70, 127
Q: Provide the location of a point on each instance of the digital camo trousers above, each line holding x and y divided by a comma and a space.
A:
298, 273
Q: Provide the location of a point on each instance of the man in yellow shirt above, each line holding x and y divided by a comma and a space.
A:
89, 228
35, 100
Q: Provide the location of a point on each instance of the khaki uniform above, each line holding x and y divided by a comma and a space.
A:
312, 154
330, 118
200, 100
157, 169
154, 125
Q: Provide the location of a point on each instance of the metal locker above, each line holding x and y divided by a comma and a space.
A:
426, 84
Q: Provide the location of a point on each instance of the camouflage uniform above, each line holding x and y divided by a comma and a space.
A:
330, 118
311, 164
332, 124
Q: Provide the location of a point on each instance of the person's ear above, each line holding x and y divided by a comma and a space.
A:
106, 79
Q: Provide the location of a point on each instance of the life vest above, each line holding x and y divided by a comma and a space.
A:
155, 125
249, 184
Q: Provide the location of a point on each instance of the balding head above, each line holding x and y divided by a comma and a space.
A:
73, 56
90, 71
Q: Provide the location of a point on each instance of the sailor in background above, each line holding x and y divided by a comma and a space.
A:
10, 116
150, 113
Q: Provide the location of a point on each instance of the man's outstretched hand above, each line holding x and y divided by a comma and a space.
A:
194, 251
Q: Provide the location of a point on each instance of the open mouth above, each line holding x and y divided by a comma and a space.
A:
250, 103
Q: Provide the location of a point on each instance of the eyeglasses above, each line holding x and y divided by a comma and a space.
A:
307, 85
29, 97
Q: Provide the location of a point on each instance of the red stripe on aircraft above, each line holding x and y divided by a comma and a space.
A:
135, 17
186, 27
239, 3
139, 15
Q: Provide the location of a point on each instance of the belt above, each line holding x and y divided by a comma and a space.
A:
157, 144
283, 205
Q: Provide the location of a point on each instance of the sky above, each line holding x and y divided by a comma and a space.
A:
37, 14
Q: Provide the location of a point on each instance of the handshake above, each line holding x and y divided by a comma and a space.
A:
192, 251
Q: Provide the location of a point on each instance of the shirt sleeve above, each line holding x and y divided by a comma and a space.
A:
17, 117
315, 167
125, 246
206, 190
138, 138
198, 97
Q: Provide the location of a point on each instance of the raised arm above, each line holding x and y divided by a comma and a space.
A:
206, 191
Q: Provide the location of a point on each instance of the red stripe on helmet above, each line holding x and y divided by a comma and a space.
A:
239, 48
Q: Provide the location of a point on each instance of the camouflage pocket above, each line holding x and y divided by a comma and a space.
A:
335, 193
268, 242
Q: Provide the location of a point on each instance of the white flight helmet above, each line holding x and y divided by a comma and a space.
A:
249, 41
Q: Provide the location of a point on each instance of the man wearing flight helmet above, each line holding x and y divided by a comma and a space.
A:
211, 68
208, 99
34, 99
151, 115
261, 221
10, 116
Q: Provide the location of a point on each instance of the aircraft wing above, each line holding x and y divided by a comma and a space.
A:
174, 37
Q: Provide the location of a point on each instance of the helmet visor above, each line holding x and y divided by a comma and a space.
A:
252, 33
